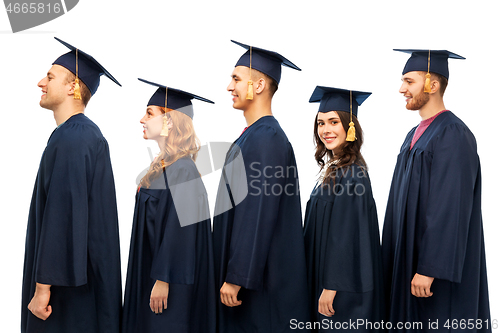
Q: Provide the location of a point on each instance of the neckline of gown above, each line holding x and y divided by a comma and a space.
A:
428, 131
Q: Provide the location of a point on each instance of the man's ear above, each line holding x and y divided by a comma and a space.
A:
71, 90
434, 86
260, 85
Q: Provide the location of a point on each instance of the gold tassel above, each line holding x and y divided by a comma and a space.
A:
351, 133
164, 129
78, 93
250, 90
250, 82
427, 86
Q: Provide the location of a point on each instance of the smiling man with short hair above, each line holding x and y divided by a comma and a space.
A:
258, 243
432, 243
72, 273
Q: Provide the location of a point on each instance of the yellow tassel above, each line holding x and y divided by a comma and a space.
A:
77, 94
164, 129
427, 86
351, 133
250, 90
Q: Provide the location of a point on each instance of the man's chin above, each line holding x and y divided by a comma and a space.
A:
44, 105
411, 107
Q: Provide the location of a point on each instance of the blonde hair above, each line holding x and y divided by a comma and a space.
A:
180, 142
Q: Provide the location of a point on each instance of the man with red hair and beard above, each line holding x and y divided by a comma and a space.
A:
432, 242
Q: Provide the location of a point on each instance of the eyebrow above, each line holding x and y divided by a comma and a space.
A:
234, 76
329, 118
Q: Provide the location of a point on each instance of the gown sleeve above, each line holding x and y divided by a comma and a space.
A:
62, 249
256, 216
452, 178
348, 259
174, 257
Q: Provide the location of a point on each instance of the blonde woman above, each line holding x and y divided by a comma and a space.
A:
170, 284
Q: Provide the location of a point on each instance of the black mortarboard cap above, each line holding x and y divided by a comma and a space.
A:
438, 62
176, 99
267, 62
335, 99
89, 70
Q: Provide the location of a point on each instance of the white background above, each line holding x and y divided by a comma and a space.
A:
186, 45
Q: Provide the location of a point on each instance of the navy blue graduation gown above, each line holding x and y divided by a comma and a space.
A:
433, 226
162, 249
343, 252
72, 240
258, 243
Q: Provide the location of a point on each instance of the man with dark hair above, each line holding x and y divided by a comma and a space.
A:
258, 244
72, 277
432, 243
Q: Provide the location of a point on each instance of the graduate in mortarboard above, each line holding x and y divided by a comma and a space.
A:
432, 242
72, 273
259, 248
341, 232
170, 277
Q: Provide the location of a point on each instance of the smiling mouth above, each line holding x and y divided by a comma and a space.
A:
329, 139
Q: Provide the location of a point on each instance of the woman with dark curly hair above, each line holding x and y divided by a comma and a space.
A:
341, 231
170, 279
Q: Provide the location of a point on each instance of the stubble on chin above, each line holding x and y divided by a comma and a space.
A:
418, 102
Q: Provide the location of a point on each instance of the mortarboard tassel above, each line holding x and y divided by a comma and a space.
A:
427, 85
351, 132
77, 94
250, 82
250, 90
164, 129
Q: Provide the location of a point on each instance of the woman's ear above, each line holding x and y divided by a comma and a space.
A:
170, 124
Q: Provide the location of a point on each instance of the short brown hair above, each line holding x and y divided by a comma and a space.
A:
443, 82
272, 84
85, 92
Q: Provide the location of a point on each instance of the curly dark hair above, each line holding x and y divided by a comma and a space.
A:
350, 150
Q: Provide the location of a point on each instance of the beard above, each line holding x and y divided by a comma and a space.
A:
417, 102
